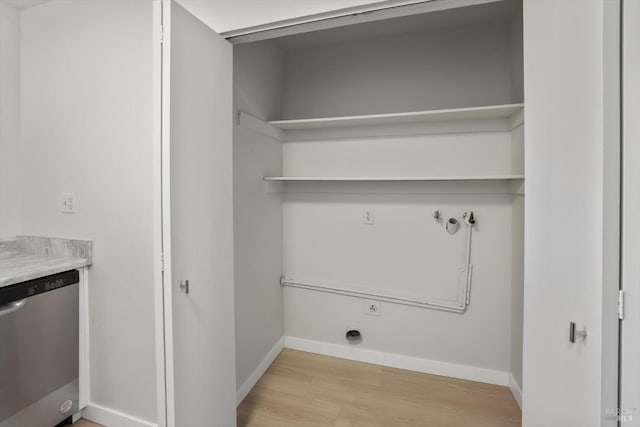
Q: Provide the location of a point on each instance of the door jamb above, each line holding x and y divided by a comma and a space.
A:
161, 213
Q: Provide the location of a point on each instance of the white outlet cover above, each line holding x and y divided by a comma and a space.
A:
372, 307
68, 203
368, 216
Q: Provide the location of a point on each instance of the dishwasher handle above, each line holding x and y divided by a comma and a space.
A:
12, 306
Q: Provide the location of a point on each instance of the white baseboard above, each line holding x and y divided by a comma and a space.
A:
255, 376
111, 418
515, 390
410, 363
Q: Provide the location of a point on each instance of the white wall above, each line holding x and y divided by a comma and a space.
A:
453, 154
225, 15
86, 128
517, 77
258, 74
9, 121
444, 68
517, 287
258, 79
326, 242
517, 259
565, 168
405, 251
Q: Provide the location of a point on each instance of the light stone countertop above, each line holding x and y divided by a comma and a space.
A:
30, 257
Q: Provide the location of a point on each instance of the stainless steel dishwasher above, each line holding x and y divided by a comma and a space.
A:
39, 351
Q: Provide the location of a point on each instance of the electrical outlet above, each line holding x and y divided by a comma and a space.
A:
367, 216
68, 203
372, 307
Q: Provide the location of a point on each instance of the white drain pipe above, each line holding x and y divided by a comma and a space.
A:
414, 301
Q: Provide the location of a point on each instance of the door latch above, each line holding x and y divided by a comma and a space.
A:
184, 286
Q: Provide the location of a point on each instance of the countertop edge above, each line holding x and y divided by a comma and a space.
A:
71, 264
31, 257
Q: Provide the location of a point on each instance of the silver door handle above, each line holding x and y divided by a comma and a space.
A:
12, 306
184, 286
573, 332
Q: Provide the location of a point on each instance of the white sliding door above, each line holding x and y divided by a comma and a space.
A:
197, 222
630, 326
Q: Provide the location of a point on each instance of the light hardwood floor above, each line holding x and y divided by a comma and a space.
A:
85, 423
308, 390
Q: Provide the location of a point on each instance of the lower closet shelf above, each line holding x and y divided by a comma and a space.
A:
391, 179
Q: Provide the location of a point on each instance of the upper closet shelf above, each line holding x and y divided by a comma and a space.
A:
512, 112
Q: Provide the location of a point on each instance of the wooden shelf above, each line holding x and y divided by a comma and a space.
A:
507, 111
391, 179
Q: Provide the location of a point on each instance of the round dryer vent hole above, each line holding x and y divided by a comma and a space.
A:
353, 336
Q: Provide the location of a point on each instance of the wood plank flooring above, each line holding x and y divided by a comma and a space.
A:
309, 390
85, 423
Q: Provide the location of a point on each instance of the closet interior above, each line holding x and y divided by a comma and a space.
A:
379, 187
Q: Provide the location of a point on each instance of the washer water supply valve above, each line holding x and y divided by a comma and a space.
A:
469, 219
452, 225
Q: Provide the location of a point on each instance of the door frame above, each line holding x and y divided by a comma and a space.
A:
161, 186
163, 261
161, 79
629, 347
612, 209
161, 212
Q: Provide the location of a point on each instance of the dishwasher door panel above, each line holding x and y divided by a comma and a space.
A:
39, 359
